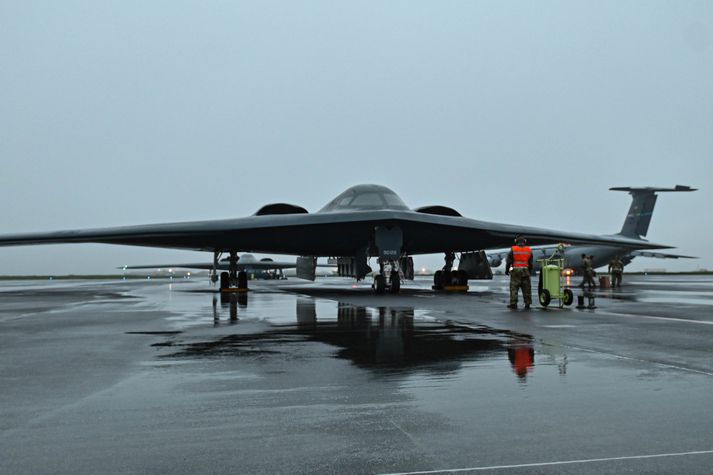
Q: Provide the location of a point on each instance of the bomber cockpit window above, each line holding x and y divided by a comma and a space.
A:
366, 197
367, 200
394, 200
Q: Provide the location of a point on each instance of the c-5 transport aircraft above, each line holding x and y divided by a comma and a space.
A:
636, 225
364, 221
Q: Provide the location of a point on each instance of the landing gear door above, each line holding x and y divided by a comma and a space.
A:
389, 241
306, 267
356, 266
476, 265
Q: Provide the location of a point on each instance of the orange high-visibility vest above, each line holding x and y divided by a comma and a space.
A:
521, 256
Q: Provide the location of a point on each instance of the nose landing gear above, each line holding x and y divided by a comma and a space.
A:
387, 280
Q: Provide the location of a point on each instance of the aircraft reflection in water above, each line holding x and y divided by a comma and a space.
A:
387, 338
232, 300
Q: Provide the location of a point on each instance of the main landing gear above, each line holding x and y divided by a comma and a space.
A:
214, 270
448, 279
387, 280
233, 281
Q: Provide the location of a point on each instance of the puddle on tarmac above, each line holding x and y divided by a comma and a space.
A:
279, 328
387, 339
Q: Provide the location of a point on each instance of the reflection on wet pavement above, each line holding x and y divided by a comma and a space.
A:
232, 301
383, 338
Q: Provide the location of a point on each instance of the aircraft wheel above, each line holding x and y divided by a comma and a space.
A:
438, 279
224, 280
568, 297
242, 280
379, 284
462, 277
395, 282
545, 297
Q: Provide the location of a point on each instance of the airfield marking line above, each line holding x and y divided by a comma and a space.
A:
558, 462
654, 317
630, 358
400, 429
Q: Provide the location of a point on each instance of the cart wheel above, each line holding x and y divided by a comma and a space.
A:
224, 280
545, 297
568, 297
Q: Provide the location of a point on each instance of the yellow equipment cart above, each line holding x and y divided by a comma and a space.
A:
551, 285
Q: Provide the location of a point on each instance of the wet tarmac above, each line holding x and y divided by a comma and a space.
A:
168, 377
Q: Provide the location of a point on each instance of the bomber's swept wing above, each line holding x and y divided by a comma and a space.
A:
344, 226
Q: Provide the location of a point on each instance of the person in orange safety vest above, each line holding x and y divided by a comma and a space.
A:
519, 266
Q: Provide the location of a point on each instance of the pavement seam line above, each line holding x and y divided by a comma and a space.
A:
558, 462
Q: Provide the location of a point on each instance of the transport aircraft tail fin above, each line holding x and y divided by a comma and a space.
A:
643, 200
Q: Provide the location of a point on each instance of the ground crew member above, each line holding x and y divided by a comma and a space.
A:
519, 266
587, 271
616, 268
584, 266
594, 273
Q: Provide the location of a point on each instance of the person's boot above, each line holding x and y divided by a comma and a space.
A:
512, 306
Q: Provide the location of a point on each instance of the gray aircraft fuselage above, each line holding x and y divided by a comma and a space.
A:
573, 255
636, 225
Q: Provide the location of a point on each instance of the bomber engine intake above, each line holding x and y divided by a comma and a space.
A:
495, 261
476, 265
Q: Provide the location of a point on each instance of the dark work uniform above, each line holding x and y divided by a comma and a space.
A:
588, 273
616, 268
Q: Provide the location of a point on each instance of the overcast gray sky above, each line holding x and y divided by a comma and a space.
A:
132, 112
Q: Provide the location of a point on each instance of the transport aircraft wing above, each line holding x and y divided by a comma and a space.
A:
659, 255
187, 265
208, 265
258, 265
